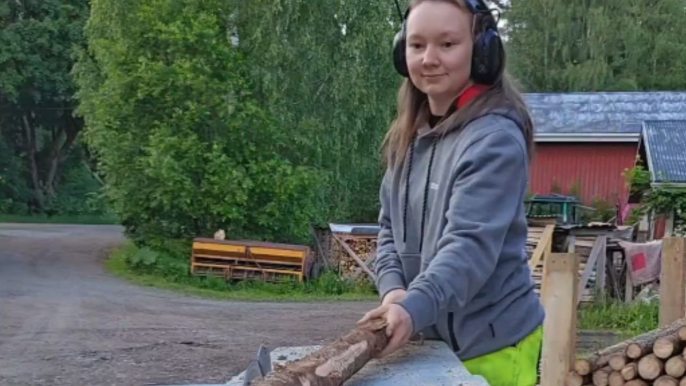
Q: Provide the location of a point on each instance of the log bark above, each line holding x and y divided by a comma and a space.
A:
617, 362
601, 377
666, 346
666, 380
675, 366
643, 344
616, 379
335, 363
630, 371
650, 367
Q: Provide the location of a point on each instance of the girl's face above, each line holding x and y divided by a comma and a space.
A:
439, 50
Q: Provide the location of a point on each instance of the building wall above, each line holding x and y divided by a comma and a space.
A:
592, 169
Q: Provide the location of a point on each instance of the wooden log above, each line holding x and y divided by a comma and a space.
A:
666, 346
616, 379
574, 379
675, 366
666, 380
599, 359
356, 258
335, 363
650, 367
617, 362
643, 344
636, 382
601, 377
682, 333
630, 371
683, 382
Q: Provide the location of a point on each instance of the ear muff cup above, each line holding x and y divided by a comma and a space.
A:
399, 61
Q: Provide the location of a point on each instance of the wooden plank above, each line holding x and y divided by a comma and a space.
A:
543, 247
276, 252
219, 247
598, 249
601, 270
559, 327
673, 280
250, 260
355, 257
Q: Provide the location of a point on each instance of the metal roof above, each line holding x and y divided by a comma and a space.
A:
665, 144
603, 112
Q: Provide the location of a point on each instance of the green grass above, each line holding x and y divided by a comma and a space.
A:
626, 319
329, 287
77, 219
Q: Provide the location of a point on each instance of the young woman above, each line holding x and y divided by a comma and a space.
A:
451, 261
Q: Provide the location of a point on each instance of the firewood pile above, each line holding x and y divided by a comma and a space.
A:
363, 246
656, 358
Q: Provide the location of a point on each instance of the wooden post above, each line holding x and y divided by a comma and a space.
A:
601, 270
673, 280
559, 327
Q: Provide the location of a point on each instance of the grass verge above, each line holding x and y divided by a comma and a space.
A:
625, 319
329, 287
78, 219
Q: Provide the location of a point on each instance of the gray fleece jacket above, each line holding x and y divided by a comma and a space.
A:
454, 236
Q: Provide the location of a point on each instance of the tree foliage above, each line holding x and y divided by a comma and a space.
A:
38, 129
183, 144
598, 45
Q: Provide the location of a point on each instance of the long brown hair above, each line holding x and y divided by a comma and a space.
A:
412, 103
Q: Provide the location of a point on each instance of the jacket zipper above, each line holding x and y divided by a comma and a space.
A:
451, 332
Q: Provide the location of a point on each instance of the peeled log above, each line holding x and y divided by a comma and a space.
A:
630, 371
335, 363
650, 367
666, 380
675, 367
643, 344
616, 379
602, 377
666, 346
617, 362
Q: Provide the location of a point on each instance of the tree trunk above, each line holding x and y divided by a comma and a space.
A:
643, 344
59, 151
31, 150
666, 346
333, 364
599, 359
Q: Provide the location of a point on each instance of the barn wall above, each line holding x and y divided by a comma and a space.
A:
595, 168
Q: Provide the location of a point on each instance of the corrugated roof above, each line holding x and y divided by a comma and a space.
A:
665, 143
603, 112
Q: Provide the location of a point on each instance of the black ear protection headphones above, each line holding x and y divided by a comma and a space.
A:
487, 55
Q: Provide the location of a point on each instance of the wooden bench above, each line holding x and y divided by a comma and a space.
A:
248, 259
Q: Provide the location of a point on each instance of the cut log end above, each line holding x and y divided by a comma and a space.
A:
582, 367
616, 379
675, 367
650, 367
666, 380
602, 377
636, 350
617, 362
630, 371
636, 382
666, 346
574, 379
682, 333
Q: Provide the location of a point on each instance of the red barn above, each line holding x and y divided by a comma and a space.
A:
584, 141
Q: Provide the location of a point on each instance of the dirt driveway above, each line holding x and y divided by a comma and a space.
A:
65, 321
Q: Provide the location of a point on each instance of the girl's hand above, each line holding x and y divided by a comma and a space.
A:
394, 296
399, 326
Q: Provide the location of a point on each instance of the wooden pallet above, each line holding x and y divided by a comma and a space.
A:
248, 260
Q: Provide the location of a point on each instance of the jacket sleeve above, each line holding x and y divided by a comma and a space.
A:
487, 188
389, 270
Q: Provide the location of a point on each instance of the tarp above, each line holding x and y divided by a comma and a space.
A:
644, 260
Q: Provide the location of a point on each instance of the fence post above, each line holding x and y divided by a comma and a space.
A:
673, 280
561, 280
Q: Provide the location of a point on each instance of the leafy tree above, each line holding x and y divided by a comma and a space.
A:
38, 129
595, 45
184, 146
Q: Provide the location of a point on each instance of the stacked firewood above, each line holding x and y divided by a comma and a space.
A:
364, 248
654, 358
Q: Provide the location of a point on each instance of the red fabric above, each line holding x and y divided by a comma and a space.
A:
470, 93
639, 261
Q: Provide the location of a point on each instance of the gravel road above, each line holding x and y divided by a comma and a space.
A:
65, 321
